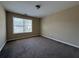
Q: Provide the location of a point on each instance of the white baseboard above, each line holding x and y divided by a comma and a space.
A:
2, 46
62, 41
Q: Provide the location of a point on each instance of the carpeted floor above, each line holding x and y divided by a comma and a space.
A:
39, 47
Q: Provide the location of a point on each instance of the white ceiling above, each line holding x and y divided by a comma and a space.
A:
28, 7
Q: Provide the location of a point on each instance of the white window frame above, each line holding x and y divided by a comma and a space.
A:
23, 26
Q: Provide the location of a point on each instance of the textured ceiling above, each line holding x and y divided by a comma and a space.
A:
28, 7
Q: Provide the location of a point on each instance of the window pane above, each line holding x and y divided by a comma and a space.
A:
17, 21
17, 25
28, 26
28, 22
18, 29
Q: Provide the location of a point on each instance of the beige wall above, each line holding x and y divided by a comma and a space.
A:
35, 27
63, 26
2, 27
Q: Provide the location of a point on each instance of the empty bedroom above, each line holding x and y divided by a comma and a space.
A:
39, 29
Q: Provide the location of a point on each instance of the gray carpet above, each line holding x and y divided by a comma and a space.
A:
38, 47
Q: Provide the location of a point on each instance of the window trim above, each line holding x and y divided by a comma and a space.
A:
23, 25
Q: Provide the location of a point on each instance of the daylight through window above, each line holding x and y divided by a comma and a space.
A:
22, 25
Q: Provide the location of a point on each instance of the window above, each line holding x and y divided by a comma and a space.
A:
22, 25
